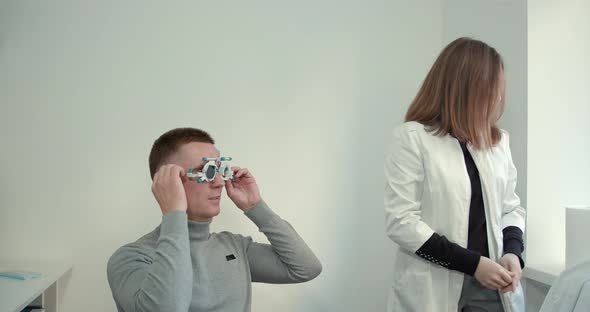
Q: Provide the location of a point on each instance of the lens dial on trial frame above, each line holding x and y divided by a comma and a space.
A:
214, 166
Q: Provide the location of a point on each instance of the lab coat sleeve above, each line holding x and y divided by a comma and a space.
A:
513, 214
404, 173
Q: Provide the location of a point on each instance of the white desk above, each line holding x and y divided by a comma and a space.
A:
16, 295
543, 273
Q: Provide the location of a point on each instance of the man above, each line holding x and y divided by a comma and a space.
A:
181, 266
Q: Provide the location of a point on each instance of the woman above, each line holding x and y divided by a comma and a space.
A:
450, 198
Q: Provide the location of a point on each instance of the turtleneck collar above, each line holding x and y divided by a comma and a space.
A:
198, 230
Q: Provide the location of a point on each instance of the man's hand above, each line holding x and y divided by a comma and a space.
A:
168, 188
243, 190
512, 264
492, 275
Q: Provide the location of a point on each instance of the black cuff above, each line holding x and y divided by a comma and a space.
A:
513, 242
438, 249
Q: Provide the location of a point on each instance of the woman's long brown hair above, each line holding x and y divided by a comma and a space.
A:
463, 94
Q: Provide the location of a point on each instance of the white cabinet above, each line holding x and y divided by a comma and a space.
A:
16, 295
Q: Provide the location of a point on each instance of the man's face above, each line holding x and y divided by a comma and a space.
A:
203, 198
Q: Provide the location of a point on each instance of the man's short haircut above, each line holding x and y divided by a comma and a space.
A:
169, 143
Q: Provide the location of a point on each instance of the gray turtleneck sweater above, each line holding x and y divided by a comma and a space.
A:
186, 268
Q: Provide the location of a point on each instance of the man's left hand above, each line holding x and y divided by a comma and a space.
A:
243, 190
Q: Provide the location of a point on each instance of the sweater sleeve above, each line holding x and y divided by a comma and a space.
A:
144, 279
287, 259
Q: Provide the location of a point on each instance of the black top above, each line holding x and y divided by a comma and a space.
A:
440, 250
477, 240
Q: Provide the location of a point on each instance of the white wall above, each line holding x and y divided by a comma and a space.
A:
558, 128
559, 144
303, 93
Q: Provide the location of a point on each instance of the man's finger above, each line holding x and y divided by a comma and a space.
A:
166, 171
242, 173
229, 186
156, 176
175, 171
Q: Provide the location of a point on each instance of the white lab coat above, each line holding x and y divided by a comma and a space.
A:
428, 190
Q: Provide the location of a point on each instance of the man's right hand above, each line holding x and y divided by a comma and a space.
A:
492, 275
168, 188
